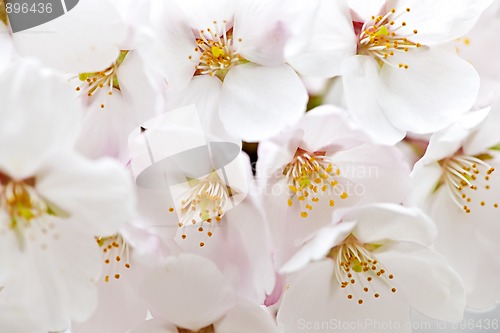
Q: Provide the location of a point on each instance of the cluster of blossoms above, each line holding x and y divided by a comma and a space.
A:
242, 166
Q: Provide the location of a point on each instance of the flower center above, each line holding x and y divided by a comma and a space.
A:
217, 51
357, 269
208, 199
21, 201
107, 79
116, 255
379, 37
466, 177
208, 329
309, 177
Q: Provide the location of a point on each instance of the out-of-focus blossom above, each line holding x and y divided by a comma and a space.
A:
189, 294
477, 48
88, 38
52, 201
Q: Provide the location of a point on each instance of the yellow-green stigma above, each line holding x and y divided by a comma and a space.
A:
310, 175
217, 51
380, 38
358, 271
106, 79
205, 204
466, 178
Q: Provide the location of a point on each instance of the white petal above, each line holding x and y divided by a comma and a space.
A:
105, 131
143, 89
120, 306
486, 292
424, 182
99, 194
425, 280
315, 302
154, 326
331, 41
31, 129
318, 247
257, 102
54, 274
86, 39
169, 49
262, 32
457, 238
432, 93
370, 169
386, 222
202, 16
204, 92
189, 291
327, 128
246, 318
438, 21
15, 318
365, 9
487, 134
360, 78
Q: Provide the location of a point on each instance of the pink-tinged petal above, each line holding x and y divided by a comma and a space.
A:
171, 50
330, 42
36, 119
438, 22
154, 326
246, 318
189, 291
381, 223
258, 102
361, 82
424, 279
86, 39
260, 33
435, 90
99, 194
